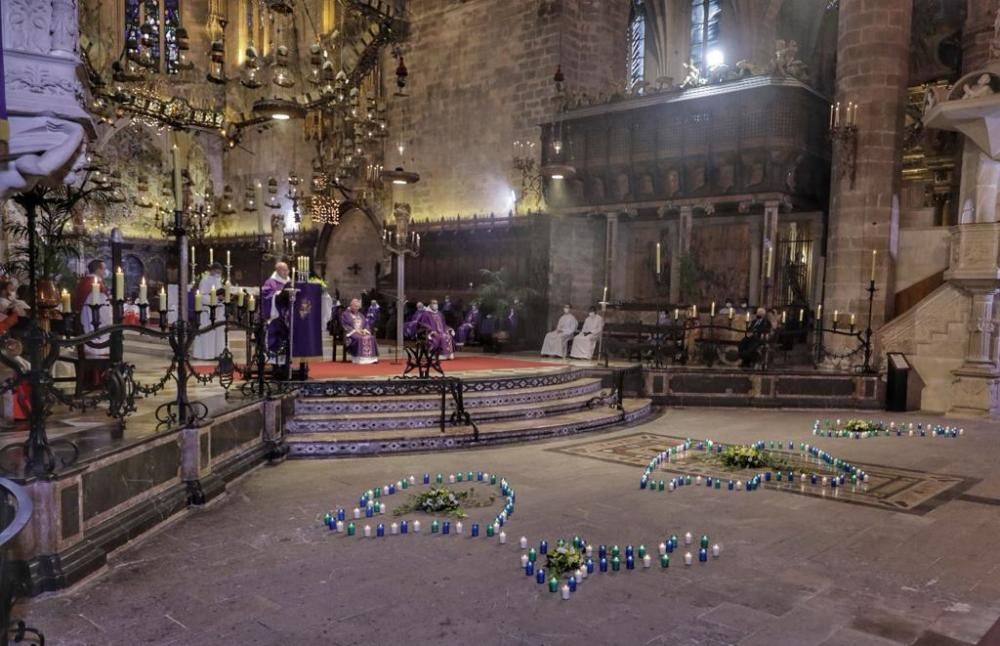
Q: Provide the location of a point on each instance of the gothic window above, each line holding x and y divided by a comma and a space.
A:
151, 33
705, 50
636, 44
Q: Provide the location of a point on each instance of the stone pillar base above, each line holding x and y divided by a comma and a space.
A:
975, 394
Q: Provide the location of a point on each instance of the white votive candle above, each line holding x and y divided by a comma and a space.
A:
716, 550
368, 531
459, 527
688, 558
357, 513
503, 537
416, 526
687, 538
565, 592
394, 529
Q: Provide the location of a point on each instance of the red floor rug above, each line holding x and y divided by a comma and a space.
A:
385, 367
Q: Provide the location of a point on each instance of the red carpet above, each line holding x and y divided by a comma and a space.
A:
385, 367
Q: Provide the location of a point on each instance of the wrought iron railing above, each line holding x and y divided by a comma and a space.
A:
15, 513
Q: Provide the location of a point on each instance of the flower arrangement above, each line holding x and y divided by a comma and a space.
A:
564, 558
441, 500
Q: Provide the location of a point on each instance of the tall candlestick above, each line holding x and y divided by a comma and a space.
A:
228, 261
142, 291
178, 183
211, 255
119, 284
163, 299
659, 266
66, 306
874, 255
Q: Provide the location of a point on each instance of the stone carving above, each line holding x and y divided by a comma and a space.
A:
673, 182
786, 61
980, 89
42, 147
38, 79
28, 25
995, 43
65, 32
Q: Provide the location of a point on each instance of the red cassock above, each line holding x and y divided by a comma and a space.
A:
22, 392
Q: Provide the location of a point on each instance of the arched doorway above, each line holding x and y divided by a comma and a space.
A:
353, 253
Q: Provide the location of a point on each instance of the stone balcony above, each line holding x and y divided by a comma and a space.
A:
975, 253
727, 143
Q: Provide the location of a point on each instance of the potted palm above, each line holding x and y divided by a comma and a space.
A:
498, 296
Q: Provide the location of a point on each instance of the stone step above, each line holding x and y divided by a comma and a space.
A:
417, 403
349, 444
396, 421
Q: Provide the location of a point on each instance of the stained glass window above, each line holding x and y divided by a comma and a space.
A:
637, 44
151, 34
705, 15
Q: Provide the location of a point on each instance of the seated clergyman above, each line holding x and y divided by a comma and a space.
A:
751, 345
586, 342
557, 341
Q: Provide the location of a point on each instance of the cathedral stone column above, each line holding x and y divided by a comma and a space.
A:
610, 242
872, 71
768, 249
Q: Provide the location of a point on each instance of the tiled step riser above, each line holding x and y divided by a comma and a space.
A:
472, 403
333, 448
388, 424
471, 386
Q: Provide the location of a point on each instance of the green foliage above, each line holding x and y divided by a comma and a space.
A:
441, 500
563, 559
57, 238
496, 294
748, 457
862, 426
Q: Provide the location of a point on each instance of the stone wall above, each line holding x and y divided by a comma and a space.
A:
480, 78
576, 263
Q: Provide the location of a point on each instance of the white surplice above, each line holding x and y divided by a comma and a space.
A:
557, 341
586, 342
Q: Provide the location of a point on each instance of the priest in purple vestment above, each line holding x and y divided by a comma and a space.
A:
274, 307
467, 330
413, 323
372, 315
358, 337
439, 335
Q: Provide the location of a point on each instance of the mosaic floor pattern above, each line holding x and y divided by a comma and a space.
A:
889, 488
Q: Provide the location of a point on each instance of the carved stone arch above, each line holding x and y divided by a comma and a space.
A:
351, 251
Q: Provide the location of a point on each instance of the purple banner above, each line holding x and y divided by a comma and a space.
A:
4, 128
307, 323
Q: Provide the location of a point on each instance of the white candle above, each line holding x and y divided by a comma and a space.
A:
143, 291
385, 490
784, 316
66, 304
252, 303
523, 543
802, 314
340, 526
413, 480
687, 538
197, 300
836, 115
163, 299
524, 560
357, 513
767, 263
659, 266
416, 526
852, 320
458, 527
382, 508
368, 531
716, 550
819, 313
119, 284
713, 309
227, 258
580, 574
192, 258
394, 529
605, 299
688, 558
503, 537
227, 294
662, 548
565, 592
836, 315
451, 479
647, 560
831, 115
694, 311
874, 255
211, 255
590, 550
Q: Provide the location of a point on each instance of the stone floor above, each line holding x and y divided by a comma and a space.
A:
258, 567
